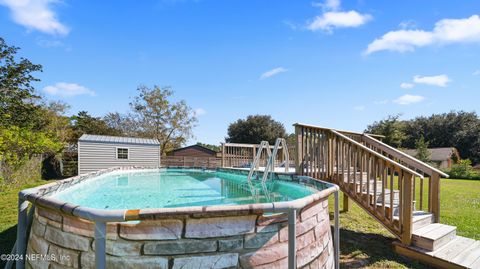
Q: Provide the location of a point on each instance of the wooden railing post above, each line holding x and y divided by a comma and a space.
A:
223, 155
435, 196
298, 150
407, 212
330, 156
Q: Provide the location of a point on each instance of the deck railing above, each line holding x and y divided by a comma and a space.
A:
379, 184
427, 189
242, 155
187, 161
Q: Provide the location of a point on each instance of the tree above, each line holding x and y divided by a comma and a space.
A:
210, 146
17, 98
422, 150
254, 129
124, 124
153, 114
454, 129
391, 128
83, 123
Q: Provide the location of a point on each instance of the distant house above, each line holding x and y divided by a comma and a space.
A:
442, 157
193, 151
96, 152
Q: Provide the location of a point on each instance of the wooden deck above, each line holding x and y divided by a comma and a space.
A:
460, 252
399, 191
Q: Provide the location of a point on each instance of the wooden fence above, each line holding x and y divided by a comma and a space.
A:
187, 161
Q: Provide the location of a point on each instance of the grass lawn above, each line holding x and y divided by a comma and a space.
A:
8, 219
364, 243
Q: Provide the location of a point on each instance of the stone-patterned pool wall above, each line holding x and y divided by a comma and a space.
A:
236, 240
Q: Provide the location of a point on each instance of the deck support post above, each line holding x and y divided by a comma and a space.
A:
407, 211
292, 242
435, 196
22, 232
223, 155
100, 244
346, 203
298, 150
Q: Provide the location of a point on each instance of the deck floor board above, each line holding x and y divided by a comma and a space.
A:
468, 256
454, 248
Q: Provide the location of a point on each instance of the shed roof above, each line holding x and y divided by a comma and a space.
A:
118, 139
196, 146
436, 154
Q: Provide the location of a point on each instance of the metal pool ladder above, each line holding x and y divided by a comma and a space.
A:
256, 161
280, 142
270, 167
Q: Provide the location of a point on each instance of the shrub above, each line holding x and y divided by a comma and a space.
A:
463, 169
20, 152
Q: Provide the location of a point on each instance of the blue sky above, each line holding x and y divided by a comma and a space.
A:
340, 64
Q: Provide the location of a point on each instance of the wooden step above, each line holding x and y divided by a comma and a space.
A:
420, 219
433, 236
362, 186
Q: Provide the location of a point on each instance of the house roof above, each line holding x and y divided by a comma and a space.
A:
117, 139
436, 154
195, 146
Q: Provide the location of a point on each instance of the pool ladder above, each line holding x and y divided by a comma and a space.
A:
270, 167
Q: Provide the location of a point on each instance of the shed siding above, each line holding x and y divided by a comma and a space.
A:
94, 156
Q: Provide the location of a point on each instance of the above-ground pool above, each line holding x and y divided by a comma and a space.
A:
180, 218
178, 188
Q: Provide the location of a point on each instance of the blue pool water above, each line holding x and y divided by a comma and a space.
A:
133, 189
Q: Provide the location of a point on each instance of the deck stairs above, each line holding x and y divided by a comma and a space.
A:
439, 241
385, 183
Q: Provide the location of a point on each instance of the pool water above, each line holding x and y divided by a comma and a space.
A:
135, 189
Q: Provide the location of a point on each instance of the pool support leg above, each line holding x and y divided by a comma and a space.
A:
22, 232
336, 232
292, 242
100, 242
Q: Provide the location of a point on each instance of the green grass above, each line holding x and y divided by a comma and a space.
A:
364, 242
8, 219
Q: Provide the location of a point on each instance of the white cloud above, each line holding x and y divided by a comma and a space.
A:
338, 19
476, 73
200, 112
64, 89
408, 99
332, 17
406, 85
359, 108
440, 80
36, 14
446, 31
273, 72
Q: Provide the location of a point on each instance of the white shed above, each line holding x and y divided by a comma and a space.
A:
96, 152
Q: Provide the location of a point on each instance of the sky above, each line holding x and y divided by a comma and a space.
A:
339, 64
